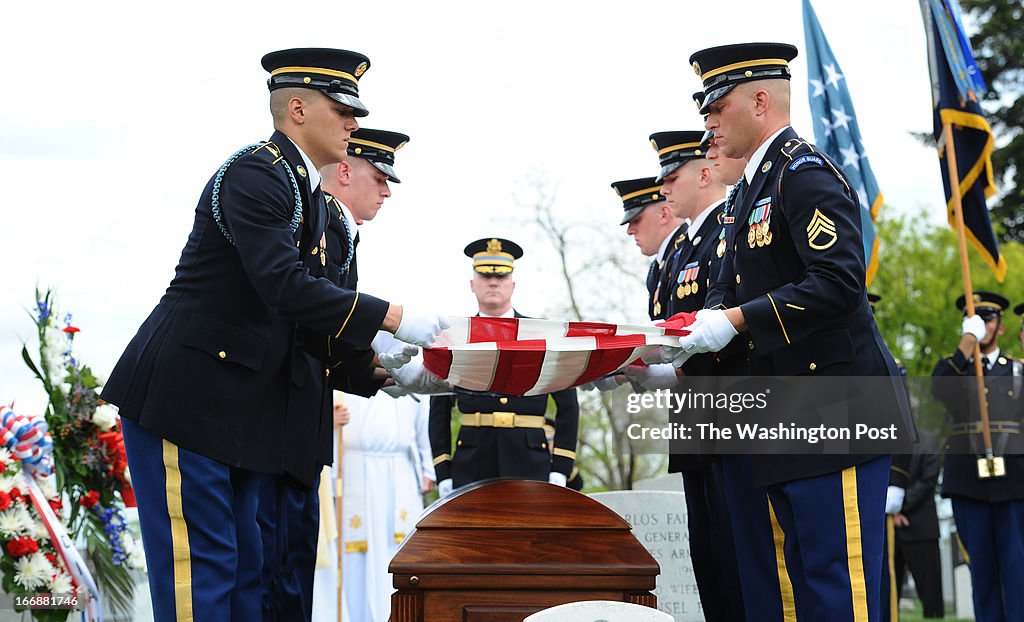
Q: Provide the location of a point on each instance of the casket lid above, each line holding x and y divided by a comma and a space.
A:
521, 527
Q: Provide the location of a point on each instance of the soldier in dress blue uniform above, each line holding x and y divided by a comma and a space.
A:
653, 226
219, 392
793, 277
988, 508
695, 192
899, 474
916, 527
354, 191
501, 435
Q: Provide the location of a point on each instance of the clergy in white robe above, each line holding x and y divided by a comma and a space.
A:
387, 466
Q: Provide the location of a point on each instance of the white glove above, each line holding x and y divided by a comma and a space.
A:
973, 325
391, 352
653, 377
711, 332
415, 378
894, 499
420, 330
557, 479
395, 391
444, 487
607, 383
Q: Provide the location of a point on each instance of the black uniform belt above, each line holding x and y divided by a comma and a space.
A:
503, 420
974, 427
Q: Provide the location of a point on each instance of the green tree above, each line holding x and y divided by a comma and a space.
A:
919, 278
596, 274
999, 49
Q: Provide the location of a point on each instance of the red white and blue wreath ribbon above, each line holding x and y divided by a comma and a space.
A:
28, 440
525, 356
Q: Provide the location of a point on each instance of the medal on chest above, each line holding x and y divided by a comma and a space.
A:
687, 280
758, 233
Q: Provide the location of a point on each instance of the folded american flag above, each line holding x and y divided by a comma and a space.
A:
525, 356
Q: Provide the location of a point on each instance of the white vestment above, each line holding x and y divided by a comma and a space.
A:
386, 455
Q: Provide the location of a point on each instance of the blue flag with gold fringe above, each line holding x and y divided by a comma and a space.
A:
956, 86
836, 131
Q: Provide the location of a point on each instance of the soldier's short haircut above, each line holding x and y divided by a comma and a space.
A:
279, 100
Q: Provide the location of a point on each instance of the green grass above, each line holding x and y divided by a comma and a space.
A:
915, 615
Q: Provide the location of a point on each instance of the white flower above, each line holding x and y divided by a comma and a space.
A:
5, 456
55, 341
105, 417
65, 388
101, 379
16, 521
135, 555
11, 479
38, 531
47, 485
32, 571
54, 355
61, 583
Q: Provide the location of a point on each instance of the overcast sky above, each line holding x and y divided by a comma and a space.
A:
115, 115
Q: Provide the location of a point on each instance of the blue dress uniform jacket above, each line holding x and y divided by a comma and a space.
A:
689, 273
215, 368
658, 285
483, 452
712, 549
954, 384
989, 513
794, 263
351, 369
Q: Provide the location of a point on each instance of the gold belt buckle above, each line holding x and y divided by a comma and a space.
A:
504, 420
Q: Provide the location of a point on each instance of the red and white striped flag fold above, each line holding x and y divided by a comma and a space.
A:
526, 356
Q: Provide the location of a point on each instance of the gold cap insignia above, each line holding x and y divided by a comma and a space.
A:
696, 68
301, 170
358, 150
361, 69
493, 246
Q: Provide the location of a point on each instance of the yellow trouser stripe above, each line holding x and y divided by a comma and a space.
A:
785, 584
179, 536
963, 549
854, 546
890, 559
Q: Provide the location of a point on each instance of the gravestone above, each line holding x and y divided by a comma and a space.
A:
658, 518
